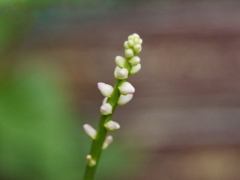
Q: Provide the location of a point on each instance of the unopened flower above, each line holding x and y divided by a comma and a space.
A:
134, 61
105, 89
90, 131
106, 109
135, 69
121, 73
90, 161
107, 142
137, 48
111, 126
124, 99
129, 53
120, 61
126, 88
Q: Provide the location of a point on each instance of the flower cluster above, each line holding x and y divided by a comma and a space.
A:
123, 91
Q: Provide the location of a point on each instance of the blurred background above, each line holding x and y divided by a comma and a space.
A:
183, 122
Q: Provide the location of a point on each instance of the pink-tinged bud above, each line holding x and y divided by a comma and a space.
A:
106, 109
111, 126
126, 88
90, 161
129, 53
120, 61
107, 142
135, 69
124, 99
90, 131
121, 73
134, 61
137, 48
105, 89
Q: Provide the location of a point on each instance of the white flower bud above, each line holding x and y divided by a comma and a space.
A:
105, 89
126, 88
130, 37
126, 44
107, 142
140, 41
104, 100
124, 99
136, 41
137, 48
135, 69
130, 43
134, 61
135, 35
90, 161
90, 131
129, 53
111, 126
121, 73
106, 109
120, 61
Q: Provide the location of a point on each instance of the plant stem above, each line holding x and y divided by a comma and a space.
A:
97, 144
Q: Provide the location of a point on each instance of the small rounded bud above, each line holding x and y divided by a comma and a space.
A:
120, 61
126, 44
107, 142
129, 53
105, 89
111, 126
140, 41
135, 69
90, 131
134, 61
90, 161
106, 109
126, 88
137, 48
124, 99
130, 43
135, 35
121, 73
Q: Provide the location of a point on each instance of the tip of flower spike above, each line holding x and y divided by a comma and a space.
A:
107, 142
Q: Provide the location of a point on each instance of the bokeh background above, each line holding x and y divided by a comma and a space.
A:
183, 122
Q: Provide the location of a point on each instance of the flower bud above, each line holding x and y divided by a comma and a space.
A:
105, 89
111, 126
90, 161
135, 69
121, 73
120, 61
104, 100
135, 35
126, 88
106, 109
90, 131
137, 48
124, 99
107, 142
130, 43
129, 53
140, 41
126, 44
134, 61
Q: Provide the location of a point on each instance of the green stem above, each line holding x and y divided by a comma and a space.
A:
96, 148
